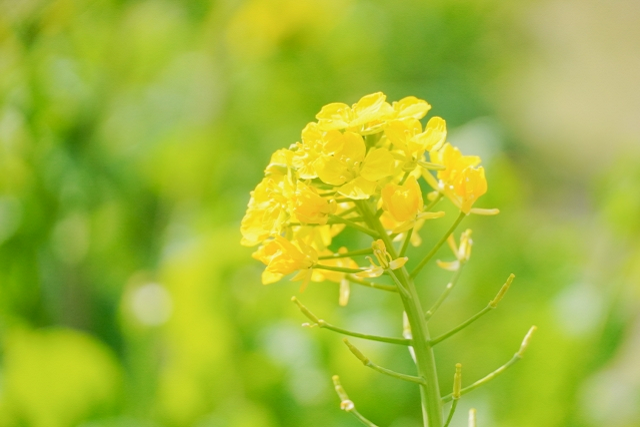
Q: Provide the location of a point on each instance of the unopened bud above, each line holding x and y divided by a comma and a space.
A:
305, 310
525, 341
472, 417
357, 353
457, 382
503, 290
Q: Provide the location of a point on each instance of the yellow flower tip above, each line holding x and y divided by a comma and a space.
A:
334, 116
283, 257
345, 291
449, 265
434, 135
457, 382
310, 207
411, 107
398, 263
526, 341
403, 202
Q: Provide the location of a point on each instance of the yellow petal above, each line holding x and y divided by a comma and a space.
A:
450, 266
411, 107
334, 116
358, 189
378, 164
398, 263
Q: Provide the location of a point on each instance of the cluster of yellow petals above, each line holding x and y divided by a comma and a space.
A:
370, 151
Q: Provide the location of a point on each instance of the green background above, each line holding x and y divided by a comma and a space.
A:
131, 133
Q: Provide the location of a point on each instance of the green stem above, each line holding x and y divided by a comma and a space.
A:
366, 362
462, 325
451, 412
347, 404
389, 340
362, 282
516, 357
322, 324
347, 212
433, 203
347, 254
443, 296
444, 238
405, 244
425, 360
338, 269
491, 306
337, 219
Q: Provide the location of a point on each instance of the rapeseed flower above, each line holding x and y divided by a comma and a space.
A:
371, 152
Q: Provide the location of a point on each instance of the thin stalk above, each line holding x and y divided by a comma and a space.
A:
347, 254
461, 326
405, 244
380, 286
516, 357
338, 269
493, 304
425, 361
400, 285
433, 251
347, 212
337, 219
443, 296
433, 202
322, 324
451, 412
389, 340
367, 362
347, 404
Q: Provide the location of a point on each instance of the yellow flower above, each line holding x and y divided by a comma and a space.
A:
281, 162
365, 117
461, 181
469, 186
402, 202
307, 151
267, 212
452, 159
283, 257
336, 276
345, 164
410, 107
309, 207
407, 136
384, 259
462, 252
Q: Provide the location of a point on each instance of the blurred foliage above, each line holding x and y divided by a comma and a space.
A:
131, 133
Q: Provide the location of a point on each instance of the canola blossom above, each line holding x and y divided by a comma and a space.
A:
372, 152
374, 168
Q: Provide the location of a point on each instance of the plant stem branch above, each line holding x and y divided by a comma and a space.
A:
516, 357
425, 361
405, 244
347, 404
433, 251
347, 254
491, 306
366, 362
451, 412
443, 296
322, 324
461, 326
354, 225
338, 269
380, 286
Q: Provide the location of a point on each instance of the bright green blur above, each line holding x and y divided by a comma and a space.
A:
131, 133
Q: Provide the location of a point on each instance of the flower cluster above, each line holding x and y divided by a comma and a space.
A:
371, 155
